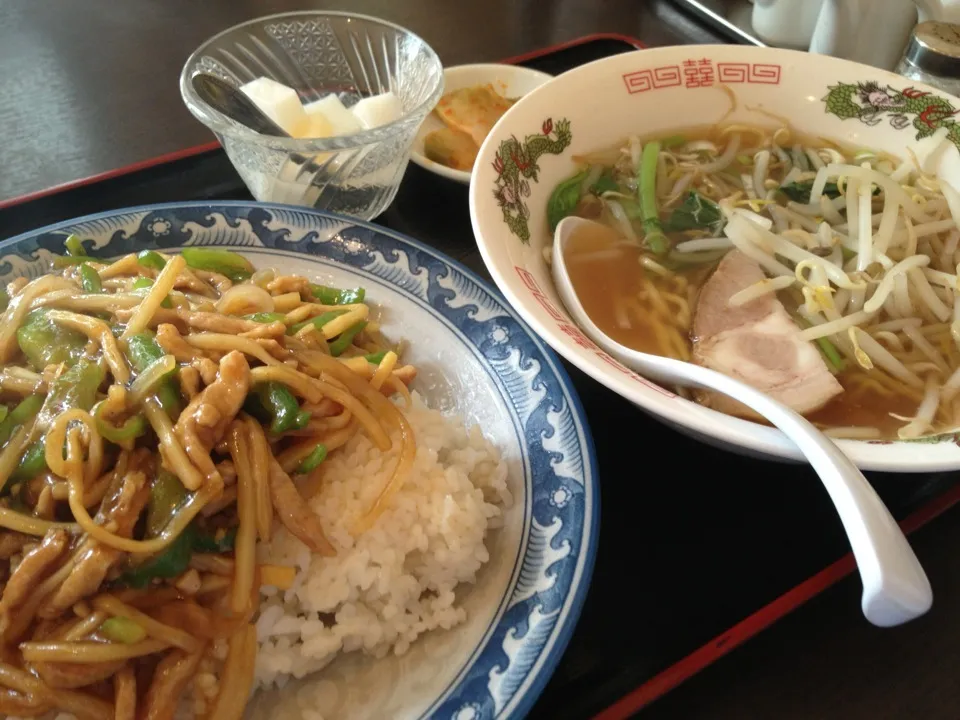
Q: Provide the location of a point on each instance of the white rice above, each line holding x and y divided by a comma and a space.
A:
390, 585
396, 581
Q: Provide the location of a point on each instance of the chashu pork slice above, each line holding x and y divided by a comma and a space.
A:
757, 342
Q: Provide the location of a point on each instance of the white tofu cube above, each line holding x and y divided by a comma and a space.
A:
378, 110
340, 120
317, 126
278, 102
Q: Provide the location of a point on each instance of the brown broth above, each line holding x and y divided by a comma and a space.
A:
604, 269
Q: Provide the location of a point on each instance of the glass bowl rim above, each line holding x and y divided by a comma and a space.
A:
221, 124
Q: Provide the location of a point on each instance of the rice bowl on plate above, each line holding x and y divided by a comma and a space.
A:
420, 515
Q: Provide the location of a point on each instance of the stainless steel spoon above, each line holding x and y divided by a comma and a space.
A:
299, 172
229, 100
895, 587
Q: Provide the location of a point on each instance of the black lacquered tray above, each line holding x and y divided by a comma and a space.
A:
699, 549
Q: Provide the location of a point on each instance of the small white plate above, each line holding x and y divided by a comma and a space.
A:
508, 80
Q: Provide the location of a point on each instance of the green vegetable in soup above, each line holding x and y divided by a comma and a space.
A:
800, 191
650, 213
696, 212
605, 183
564, 199
830, 352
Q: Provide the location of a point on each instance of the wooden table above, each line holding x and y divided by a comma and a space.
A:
90, 85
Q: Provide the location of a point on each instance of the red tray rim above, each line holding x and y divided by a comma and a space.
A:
719, 646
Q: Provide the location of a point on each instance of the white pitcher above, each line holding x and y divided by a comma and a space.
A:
939, 10
873, 32
785, 23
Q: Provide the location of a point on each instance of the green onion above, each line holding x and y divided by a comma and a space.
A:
122, 630
318, 322
151, 259
4, 411
333, 296
74, 246
650, 214
90, 279
345, 338
311, 461
673, 141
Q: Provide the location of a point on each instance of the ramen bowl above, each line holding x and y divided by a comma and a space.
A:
661, 92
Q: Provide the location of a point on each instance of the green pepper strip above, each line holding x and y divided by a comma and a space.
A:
311, 461
143, 351
376, 358
234, 266
4, 411
145, 283
333, 296
220, 542
44, 342
266, 317
62, 261
167, 496
74, 246
32, 463
282, 406
90, 279
132, 428
318, 322
345, 338
122, 630
23, 412
151, 259
168, 564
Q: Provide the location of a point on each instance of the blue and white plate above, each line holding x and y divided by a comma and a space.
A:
477, 358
